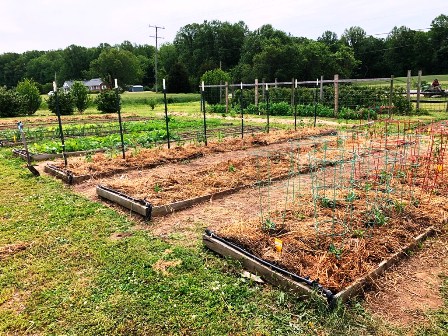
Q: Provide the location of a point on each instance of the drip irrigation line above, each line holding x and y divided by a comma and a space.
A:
314, 284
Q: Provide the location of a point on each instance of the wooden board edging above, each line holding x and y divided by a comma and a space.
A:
257, 268
42, 157
126, 202
304, 291
65, 175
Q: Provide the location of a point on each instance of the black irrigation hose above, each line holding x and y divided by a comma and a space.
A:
314, 284
135, 200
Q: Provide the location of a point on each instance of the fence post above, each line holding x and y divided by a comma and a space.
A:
256, 92
276, 83
419, 84
321, 97
227, 97
391, 93
408, 87
263, 85
336, 94
293, 103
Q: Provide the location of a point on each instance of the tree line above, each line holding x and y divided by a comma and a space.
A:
266, 53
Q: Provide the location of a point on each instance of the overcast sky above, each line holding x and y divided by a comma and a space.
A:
50, 24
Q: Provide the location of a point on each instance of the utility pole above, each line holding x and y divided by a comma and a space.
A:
157, 38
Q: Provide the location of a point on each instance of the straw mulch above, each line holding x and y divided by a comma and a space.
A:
105, 164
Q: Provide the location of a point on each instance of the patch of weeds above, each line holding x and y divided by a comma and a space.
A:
157, 188
231, 168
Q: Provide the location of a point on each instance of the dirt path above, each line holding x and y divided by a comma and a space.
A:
410, 289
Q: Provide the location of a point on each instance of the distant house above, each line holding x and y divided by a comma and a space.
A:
136, 88
94, 84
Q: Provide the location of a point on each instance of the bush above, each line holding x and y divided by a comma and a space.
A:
10, 103
152, 103
108, 101
218, 108
80, 94
30, 96
252, 109
281, 108
65, 101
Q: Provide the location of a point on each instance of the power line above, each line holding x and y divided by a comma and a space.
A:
155, 56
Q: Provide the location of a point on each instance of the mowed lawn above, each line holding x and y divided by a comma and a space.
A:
70, 266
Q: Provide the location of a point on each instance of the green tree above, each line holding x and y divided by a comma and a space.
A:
214, 77
117, 63
63, 101
108, 101
10, 103
30, 96
178, 81
80, 94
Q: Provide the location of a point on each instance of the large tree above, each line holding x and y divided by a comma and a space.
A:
118, 64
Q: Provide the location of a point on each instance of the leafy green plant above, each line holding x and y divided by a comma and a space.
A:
80, 94
327, 202
232, 168
337, 252
351, 196
108, 101
62, 101
269, 225
157, 188
358, 233
152, 103
376, 217
10, 103
30, 96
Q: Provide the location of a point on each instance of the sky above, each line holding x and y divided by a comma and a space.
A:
51, 25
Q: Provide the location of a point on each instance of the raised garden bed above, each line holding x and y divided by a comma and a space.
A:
101, 165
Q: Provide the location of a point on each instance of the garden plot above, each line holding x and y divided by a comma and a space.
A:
98, 165
339, 227
161, 191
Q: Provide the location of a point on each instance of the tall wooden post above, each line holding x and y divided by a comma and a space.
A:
321, 95
391, 94
227, 97
408, 86
336, 94
419, 85
256, 92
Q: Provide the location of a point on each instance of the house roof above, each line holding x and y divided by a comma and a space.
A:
88, 83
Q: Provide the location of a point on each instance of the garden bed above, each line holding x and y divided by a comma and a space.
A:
100, 165
341, 244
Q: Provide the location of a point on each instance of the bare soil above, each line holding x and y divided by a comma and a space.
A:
410, 289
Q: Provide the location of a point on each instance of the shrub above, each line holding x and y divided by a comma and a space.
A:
64, 100
10, 103
80, 94
152, 103
280, 108
218, 108
30, 96
252, 109
108, 101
